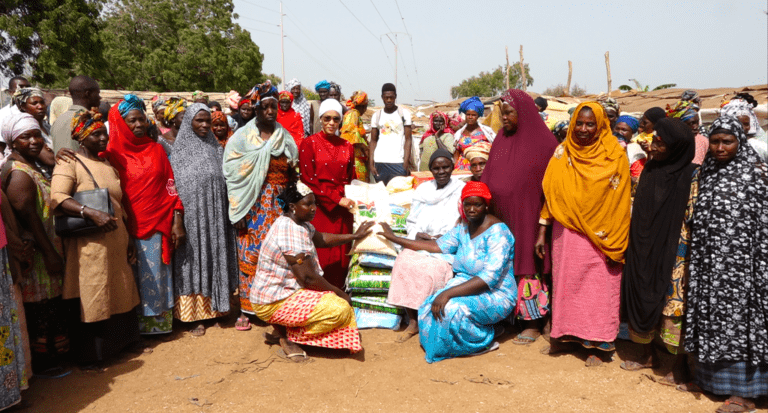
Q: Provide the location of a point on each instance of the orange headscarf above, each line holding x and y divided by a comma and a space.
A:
587, 187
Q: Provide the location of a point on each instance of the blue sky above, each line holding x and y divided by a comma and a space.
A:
696, 44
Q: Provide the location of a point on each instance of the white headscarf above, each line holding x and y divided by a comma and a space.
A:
300, 105
13, 127
329, 105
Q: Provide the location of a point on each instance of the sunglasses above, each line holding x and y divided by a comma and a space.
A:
335, 119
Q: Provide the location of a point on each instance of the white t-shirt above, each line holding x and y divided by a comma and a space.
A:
390, 147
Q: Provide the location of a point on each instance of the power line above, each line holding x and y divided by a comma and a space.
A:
309, 55
257, 30
358, 20
260, 21
401, 17
261, 7
382, 17
298, 27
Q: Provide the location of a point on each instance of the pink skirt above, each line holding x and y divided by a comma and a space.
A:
415, 277
586, 290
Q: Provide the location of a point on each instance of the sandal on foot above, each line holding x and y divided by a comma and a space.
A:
93, 368
629, 365
54, 373
198, 331
746, 407
666, 381
294, 357
494, 346
242, 324
522, 340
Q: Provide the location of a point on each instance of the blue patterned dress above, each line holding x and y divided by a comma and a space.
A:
467, 327
155, 282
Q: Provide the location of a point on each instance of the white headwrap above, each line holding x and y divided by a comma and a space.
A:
740, 107
291, 83
13, 127
303, 189
329, 105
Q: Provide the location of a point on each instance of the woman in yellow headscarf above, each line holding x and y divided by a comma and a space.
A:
586, 190
353, 131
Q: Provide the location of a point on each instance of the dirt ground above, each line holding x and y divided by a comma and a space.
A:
233, 371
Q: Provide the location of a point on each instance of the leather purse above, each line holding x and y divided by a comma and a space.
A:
71, 227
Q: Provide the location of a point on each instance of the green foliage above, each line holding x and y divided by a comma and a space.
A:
490, 83
559, 90
167, 45
275, 79
640, 88
55, 39
310, 95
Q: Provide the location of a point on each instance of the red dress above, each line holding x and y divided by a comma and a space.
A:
291, 120
327, 164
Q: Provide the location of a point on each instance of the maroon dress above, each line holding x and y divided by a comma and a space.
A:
326, 163
514, 174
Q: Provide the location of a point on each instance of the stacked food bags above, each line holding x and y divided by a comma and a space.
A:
373, 257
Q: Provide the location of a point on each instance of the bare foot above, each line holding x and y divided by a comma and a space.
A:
629, 365
410, 331
593, 361
553, 348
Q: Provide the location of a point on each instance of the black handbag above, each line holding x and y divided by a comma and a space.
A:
68, 226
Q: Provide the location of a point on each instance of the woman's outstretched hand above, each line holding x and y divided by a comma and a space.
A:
386, 231
363, 230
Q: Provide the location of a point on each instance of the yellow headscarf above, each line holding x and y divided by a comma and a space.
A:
587, 188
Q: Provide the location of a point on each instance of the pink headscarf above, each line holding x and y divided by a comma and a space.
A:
432, 130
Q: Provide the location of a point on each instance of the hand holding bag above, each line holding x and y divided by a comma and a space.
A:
70, 227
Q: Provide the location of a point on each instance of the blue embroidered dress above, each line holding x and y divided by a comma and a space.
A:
467, 327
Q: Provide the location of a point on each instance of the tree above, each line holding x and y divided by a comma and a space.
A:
55, 39
559, 90
490, 83
167, 45
646, 88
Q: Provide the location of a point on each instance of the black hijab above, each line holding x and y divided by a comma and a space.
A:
657, 217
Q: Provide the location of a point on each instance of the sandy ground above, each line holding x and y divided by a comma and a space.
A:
233, 371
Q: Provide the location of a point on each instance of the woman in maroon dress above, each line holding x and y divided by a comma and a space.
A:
514, 172
326, 162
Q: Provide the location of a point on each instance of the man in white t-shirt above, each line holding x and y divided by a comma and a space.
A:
390, 139
10, 109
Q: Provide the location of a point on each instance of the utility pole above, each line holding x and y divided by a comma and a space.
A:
522, 70
395, 44
282, 45
506, 72
608, 69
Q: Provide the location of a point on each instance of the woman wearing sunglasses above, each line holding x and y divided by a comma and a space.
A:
326, 163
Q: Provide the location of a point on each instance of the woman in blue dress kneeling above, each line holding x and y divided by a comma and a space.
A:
459, 320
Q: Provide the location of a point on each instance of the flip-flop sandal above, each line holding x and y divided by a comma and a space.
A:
664, 381
54, 373
629, 365
93, 368
293, 357
198, 331
494, 346
522, 340
747, 408
498, 331
271, 339
239, 326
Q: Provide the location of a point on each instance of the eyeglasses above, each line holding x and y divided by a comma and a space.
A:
335, 119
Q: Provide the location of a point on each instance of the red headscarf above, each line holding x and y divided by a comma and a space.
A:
474, 188
146, 177
432, 130
221, 117
290, 119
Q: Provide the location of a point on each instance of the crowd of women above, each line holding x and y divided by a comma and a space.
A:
191, 214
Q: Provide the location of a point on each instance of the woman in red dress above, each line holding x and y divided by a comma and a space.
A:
326, 162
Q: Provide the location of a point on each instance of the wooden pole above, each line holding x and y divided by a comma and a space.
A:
522, 70
608, 69
570, 73
282, 45
506, 72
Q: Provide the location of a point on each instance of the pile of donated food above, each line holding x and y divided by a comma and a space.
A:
370, 268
